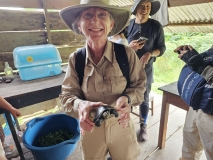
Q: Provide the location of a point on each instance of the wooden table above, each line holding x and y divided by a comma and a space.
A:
24, 93
170, 96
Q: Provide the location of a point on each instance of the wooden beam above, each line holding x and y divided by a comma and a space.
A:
21, 3
173, 3
56, 4
66, 51
204, 28
13, 20
10, 40
67, 38
191, 25
47, 21
51, 4
56, 22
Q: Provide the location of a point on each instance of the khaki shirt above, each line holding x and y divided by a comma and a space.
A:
103, 82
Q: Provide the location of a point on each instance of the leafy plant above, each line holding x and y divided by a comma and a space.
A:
54, 138
168, 66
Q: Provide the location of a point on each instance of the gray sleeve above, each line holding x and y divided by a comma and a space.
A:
208, 74
160, 41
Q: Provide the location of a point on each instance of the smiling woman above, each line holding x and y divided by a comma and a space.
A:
103, 83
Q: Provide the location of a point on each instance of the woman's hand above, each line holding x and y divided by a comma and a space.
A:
145, 58
15, 112
124, 110
135, 45
86, 124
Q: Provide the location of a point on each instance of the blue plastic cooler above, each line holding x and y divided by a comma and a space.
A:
37, 61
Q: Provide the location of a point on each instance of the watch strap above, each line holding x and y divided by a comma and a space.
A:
129, 99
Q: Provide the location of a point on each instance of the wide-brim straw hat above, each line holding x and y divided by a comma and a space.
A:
120, 15
155, 6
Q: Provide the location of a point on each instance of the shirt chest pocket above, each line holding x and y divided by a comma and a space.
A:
114, 80
88, 73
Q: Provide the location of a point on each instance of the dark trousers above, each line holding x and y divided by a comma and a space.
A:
144, 106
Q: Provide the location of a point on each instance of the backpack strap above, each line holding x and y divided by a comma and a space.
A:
80, 63
121, 58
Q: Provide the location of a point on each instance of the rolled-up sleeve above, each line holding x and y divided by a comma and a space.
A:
137, 78
160, 41
71, 93
207, 74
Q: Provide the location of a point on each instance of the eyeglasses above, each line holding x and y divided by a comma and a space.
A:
101, 15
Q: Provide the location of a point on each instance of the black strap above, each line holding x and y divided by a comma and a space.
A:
80, 63
121, 58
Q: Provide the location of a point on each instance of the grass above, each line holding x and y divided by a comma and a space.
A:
168, 66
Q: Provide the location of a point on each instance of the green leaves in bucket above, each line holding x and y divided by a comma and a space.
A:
54, 138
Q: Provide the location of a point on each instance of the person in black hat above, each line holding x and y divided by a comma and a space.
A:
147, 50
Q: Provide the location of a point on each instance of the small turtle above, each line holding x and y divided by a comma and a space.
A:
103, 113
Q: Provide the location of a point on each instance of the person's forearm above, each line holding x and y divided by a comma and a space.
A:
3, 157
155, 53
4, 104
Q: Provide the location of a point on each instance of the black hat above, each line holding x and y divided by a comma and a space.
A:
155, 6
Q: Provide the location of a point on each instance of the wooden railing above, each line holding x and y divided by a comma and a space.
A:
38, 22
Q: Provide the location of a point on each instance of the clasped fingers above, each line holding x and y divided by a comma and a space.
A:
124, 119
124, 116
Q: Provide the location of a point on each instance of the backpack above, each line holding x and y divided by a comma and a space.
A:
121, 58
194, 89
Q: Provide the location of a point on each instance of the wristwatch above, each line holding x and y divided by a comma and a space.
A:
151, 52
129, 100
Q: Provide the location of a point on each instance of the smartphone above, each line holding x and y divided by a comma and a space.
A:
142, 39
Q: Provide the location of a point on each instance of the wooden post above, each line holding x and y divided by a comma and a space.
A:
47, 21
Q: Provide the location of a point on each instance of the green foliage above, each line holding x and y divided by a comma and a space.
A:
54, 138
168, 66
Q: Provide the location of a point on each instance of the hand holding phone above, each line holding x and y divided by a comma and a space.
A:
140, 39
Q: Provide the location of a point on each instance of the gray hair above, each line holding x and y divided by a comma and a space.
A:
75, 26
